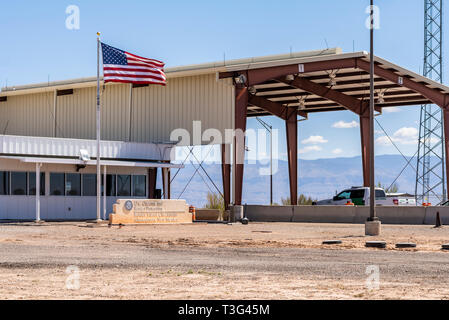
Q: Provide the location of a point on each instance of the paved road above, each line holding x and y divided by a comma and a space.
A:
433, 266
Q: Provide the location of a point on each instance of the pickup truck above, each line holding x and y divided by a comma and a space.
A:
360, 196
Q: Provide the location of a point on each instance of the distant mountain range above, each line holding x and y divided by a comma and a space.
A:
319, 179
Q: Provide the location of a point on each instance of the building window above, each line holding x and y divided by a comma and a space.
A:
4, 183
123, 185
110, 185
19, 183
57, 184
32, 184
73, 184
89, 185
139, 186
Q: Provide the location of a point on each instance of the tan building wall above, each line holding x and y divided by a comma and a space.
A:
155, 111
29, 115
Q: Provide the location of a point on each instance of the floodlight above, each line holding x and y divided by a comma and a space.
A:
84, 155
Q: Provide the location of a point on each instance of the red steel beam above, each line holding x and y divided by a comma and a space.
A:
241, 105
353, 104
226, 174
258, 76
433, 95
365, 142
152, 178
274, 108
446, 143
291, 125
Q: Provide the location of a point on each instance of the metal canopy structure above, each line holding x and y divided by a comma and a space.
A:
343, 75
293, 87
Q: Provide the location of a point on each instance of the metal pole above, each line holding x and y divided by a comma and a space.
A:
271, 165
130, 114
98, 131
371, 120
38, 192
270, 131
104, 192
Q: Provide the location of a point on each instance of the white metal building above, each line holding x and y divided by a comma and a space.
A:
44, 127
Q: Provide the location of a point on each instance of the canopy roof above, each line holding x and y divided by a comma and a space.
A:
332, 83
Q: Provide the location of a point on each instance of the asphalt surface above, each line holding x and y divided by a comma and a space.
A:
335, 264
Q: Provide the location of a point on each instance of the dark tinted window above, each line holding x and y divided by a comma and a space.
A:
18, 183
32, 184
57, 184
4, 183
380, 194
344, 195
139, 186
123, 185
357, 194
73, 184
110, 185
89, 185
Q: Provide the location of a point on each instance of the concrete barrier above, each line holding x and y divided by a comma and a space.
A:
207, 214
346, 214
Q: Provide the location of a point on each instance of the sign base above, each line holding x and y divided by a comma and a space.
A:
149, 211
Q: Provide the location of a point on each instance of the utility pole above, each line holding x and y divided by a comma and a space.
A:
372, 225
270, 131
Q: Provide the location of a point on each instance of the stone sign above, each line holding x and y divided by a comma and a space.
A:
148, 211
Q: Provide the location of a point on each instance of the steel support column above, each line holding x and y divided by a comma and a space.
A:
241, 105
226, 174
38, 192
365, 142
166, 182
446, 145
291, 125
152, 178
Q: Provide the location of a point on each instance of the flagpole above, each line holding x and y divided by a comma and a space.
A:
98, 131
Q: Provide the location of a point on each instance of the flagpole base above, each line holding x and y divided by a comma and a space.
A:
373, 227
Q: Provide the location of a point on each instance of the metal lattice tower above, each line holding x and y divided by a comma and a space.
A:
430, 184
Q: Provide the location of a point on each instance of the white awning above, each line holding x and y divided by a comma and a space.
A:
109, 163
70, 148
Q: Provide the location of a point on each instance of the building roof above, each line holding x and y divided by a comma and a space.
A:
173, 72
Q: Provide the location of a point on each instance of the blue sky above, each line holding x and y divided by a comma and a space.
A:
36, 46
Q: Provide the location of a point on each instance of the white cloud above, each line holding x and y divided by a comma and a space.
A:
391, 110
310, 149
404, 136
314, 140
337, 151
345, 125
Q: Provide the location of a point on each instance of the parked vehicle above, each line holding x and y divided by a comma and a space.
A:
360, 196
402, 199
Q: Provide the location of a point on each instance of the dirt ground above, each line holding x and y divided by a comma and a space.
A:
217, 261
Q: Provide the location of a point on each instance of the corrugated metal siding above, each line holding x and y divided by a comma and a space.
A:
115, 112
156, 110
75, 114
30, 115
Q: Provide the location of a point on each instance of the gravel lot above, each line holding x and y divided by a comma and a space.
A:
200, 261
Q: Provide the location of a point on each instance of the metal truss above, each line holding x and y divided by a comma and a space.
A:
430, 183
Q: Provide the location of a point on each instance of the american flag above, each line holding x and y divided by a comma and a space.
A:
125, 67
